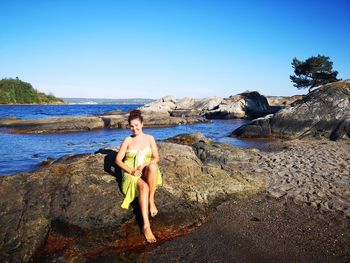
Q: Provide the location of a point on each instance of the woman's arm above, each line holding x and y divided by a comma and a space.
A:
154, 148
121, 155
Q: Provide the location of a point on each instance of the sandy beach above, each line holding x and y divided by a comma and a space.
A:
315, 172
302, 215
261, 229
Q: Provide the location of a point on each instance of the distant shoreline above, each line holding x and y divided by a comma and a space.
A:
64, 104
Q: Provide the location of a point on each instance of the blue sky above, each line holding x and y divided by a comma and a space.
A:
149, 49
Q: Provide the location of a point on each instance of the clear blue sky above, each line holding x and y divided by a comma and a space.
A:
128, 49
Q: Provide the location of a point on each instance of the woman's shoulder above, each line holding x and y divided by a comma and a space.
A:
149, 137
127, 139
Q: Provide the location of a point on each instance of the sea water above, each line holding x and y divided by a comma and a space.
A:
23, 152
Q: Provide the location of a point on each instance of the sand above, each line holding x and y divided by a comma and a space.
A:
302, 216
315, 172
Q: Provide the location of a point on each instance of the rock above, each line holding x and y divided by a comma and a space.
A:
47, 161
276, 193
244, 105
156, 119
54, 125
163, 105
283, 101
185, 103
324, 112
72, 207
10, 118
189, 139
185, 113
189, 107
208, 104
76, 124
114, 112
170, 99
186, 107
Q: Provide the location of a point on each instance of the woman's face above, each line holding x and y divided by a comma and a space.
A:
136, 126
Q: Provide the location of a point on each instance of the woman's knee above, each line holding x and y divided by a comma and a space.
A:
143, 187
152, 167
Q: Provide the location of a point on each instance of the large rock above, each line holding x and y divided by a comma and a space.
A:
323, 112
208, 104
185, 107
244, 105
185, 103
71, 208
163, 105
54, 125
189, 107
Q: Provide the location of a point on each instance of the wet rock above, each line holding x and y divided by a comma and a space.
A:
47, 161
10, 118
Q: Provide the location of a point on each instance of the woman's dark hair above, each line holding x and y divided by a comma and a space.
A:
135, 114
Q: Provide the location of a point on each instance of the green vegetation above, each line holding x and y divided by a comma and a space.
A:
313, 72
16, 91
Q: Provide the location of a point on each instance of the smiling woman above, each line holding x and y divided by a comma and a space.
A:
140, 171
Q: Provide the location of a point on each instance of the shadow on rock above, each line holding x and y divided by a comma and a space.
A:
110, 166
113, 169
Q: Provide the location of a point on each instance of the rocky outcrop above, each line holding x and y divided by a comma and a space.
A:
283, 101
185, 107
244, 105
76, 124
189, 107
185, 103
207, 104
163, 105
71, 208
324, 112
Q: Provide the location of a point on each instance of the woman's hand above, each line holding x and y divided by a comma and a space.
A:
141, 167
136, 172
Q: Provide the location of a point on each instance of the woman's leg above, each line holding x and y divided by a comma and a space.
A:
143, 201
151, 179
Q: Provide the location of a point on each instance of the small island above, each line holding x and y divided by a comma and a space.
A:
16, 91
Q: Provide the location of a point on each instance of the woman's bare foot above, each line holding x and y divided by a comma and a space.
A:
149, 235
153, 209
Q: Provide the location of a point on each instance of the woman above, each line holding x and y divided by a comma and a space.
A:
140, 171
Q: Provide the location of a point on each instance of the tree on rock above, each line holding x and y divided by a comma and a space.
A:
313, 72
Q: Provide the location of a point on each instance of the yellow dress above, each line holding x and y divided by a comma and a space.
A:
133, 159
